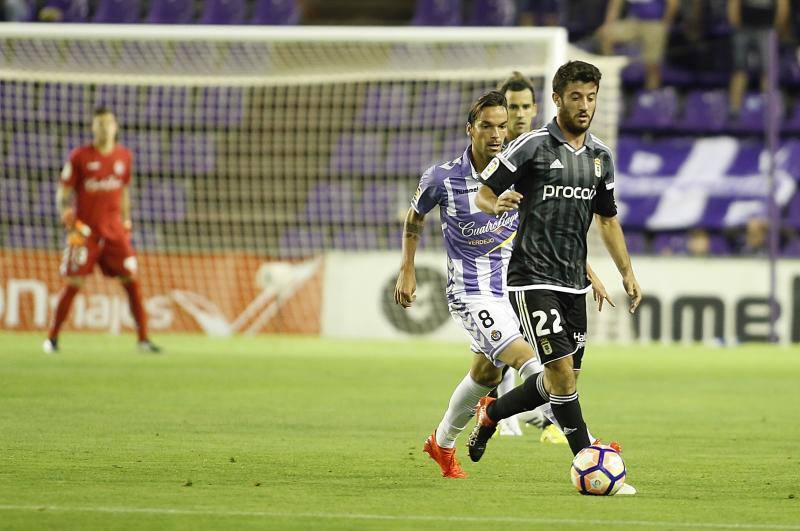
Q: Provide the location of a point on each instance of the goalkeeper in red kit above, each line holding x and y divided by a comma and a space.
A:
94, 205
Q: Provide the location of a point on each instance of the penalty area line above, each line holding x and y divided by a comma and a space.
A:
388, 517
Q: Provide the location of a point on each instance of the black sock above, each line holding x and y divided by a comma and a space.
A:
525, 397
567, 411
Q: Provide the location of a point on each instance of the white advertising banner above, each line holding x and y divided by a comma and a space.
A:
686, 300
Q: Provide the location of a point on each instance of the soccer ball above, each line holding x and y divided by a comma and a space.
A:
598, 470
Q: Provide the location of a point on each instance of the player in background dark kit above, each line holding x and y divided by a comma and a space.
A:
562, 177
94, 206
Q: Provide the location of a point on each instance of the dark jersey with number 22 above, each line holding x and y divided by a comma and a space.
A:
562, 188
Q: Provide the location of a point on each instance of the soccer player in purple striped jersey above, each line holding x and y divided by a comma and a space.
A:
478, 247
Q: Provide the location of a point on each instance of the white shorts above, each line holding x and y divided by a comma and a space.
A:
490, 323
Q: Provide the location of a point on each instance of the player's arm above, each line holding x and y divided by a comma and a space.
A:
126, 209
503, 172
406, 286
605, 210
613, 11
614, 240
599, 293
64, 203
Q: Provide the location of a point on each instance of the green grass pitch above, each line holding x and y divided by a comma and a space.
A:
306, 433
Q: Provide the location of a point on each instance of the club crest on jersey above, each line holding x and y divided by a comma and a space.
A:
496, 335
119, 167
490, 168
598, 168
547, 348
92, 166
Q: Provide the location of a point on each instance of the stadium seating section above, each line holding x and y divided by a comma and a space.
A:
684, 160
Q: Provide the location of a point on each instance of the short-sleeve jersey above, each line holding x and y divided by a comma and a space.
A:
98, 181
562, 188
478, 245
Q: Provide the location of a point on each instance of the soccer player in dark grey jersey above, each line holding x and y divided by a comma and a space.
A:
562, 178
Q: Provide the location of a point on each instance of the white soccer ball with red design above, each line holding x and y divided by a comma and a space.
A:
598, 470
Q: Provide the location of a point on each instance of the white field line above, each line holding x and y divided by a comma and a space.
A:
389, 517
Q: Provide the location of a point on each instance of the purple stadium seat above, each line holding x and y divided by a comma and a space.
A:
161, 201
125, 101
34, 150
652, 110
171, 12
14, 199
493, 13
636, 242
17, 101
145, 238
147, 147
792, 212
45, 204
706, 111
331, 203
65, 10
193, 154
64, 102
31, 237
223, 12
303, 241
386, 106
276, 13
791, 248
356, 239
118, 11
753, 114
410, 153
437, 13
792, 124
384, 202
719, 245
452, 146
168, 105
440, 105
358, 154
220, 106
667, 243
431, 237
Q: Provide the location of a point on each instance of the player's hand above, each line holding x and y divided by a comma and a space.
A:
68, 217
633, 290
405, 290
508, 200
599, 293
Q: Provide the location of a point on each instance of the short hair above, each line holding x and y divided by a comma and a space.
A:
490, 99
101, 110
575, 72
517, 82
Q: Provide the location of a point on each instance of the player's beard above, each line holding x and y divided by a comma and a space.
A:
572, 126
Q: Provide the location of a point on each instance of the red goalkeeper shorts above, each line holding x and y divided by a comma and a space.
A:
115, 257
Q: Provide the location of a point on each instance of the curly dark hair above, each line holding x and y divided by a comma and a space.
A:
575, 71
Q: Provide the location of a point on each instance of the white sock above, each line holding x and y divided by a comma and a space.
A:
507, 383
529, 368
461, 408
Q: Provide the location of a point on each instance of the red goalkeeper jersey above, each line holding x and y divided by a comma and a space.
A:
98, 181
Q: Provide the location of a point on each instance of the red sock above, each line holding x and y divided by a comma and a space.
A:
62, 309
139, 315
